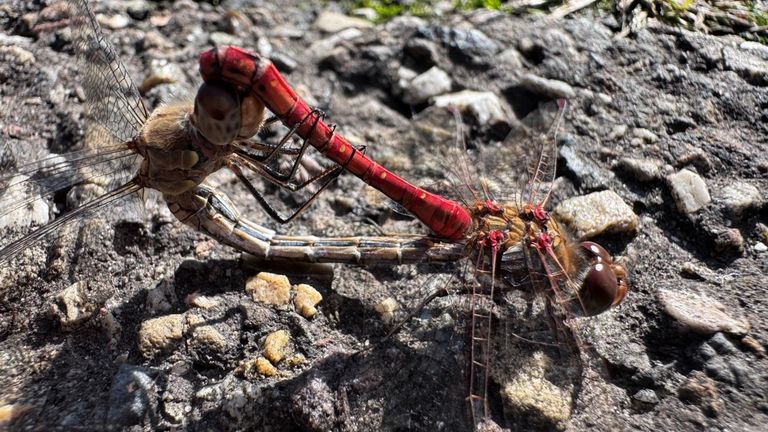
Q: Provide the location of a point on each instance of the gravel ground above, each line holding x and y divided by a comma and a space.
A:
136, 322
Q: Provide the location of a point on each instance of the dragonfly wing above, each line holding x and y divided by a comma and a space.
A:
98, 172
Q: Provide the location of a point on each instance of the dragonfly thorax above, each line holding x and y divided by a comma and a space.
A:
175, 157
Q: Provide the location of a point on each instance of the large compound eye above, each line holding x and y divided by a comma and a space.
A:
596, 250
252, 115
217, 113
599, 289
605, 284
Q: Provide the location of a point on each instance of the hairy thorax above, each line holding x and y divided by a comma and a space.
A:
176, 157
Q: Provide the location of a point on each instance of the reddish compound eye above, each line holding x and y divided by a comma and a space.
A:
217, 113
605, 283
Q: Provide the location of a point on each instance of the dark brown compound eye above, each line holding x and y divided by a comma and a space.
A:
596, 250
605, 283
217, 113
599, 289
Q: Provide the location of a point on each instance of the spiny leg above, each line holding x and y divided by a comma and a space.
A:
271, 211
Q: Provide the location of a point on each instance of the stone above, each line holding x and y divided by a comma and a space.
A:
72, 305
750, 67
264, 367
431, 83
471, 44
701, 314
547, 87
333, 22
35, 212
510, 58
161, 72
596, 214
386, 309
645, 135
702, 391
201, 301
269, 288
17, 54
161, 298
689, 191
645, 399
159, 334
642, 170
617, 132
132, 396
305, 300
138, 9
209, 337
530, 394
313, 406
484, 106
275, 345
740, 196
114, 22
218, 38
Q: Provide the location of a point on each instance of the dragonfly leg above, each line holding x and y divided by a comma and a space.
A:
283, 178
273, 213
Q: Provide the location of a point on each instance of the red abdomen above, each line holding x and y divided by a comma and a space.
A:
248, 70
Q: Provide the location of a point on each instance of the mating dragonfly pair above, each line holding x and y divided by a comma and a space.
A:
510, 241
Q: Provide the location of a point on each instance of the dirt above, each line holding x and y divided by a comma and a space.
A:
670, 98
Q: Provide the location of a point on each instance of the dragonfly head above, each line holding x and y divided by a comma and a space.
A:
605, 283
223, 114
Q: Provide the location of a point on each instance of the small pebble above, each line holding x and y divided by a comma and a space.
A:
158, 334
485, 106
133, 392
209, 337
645, 135
547, 87
264, 367
275, 345
431, 83
510, 58
138, 9
386, 309
332, 22
689, 191
643, 170
283, 62
35, 212
701, 314
269, 288
200, 301
76, 308
702, 391
295, 360
306, 299
617, 132
760, 247
17, 55
530, 394
645, 399
729, 240
740, 196
114, 22
596, 214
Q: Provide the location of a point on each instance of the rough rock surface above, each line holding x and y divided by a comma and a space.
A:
683, 100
